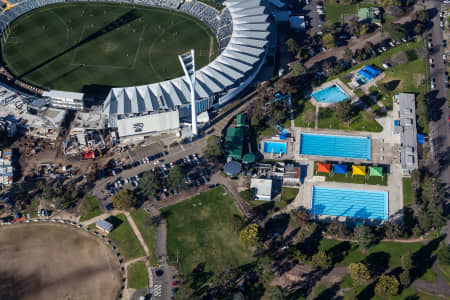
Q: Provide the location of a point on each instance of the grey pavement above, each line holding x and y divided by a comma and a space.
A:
439, 111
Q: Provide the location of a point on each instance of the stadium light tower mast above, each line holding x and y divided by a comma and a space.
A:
187, 61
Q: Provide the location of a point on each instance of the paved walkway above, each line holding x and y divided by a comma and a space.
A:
113, 212
440, 287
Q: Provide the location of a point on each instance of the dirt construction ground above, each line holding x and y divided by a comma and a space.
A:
55, 261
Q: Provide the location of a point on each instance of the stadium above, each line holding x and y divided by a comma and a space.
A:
229, 52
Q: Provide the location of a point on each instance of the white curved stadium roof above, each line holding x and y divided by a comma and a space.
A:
241, 57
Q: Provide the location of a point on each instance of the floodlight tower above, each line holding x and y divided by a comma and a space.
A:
187, 61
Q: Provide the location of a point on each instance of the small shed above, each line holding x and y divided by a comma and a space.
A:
104, 225
262, 188
232, 168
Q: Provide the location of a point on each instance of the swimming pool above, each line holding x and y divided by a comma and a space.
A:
350, 203
274, 147
335, 145
331, 94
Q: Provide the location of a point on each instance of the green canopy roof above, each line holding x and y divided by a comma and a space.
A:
241, 120
376, 171
234, 141
249, 158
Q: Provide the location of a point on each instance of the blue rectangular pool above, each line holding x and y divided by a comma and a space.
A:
274, 147
335, 146
350, 203
331, 94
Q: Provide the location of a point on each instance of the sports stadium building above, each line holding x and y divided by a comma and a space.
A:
242, 29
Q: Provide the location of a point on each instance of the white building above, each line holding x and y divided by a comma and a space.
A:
65, 100
6, 169
408, 133
131, 128
262, 188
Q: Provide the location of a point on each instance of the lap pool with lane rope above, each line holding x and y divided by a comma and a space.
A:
335, 146
350, 203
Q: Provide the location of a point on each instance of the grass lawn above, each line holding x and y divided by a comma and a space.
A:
200, 233
144, 222
83, 46
408, 194
137, 276
89, 208
288, 194
299, 120
384, 251
334, 11
265, 131
329, 120
124, 237
378, 60
352, 179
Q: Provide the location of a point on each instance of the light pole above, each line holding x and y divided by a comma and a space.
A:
187, 61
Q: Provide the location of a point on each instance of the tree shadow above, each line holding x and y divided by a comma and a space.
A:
367, 293
339, 251
276, 226
329, 293
377, 262
199, 276
424, 259
116, 222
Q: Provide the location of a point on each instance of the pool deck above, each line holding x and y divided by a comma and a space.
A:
337, 82
394, 189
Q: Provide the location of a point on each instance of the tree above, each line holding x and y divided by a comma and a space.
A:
407, 262
292, 46
364, 29
274, 293
150, 184
368, 115
348, 55
124, 199
359, 272
298, 69
365, 236
422, 16
250, 235
309, 116
213, 148
422, 111
395, 31
328, 40
343, 110
321, 260
387, 286
175, 180
237, 222
405, 278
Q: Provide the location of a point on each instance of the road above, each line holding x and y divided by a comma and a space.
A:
439, 112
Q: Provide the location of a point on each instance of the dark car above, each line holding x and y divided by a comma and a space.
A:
109, 206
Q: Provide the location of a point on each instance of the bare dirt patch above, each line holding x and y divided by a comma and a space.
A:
109, 47
51, 261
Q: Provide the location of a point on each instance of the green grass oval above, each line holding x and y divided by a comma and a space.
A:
91, 47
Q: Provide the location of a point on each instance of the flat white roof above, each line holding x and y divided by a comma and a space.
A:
63, 94
263, 187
